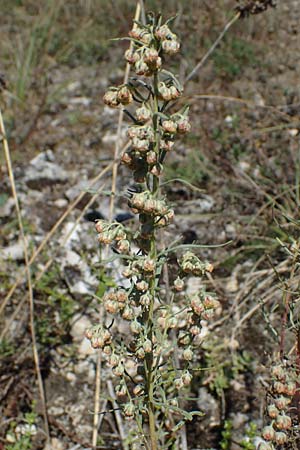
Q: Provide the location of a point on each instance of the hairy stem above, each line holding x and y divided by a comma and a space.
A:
149, 316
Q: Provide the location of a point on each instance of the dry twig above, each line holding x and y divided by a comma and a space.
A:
28, 273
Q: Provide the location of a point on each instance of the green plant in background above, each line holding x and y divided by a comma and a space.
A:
6, 348
51, 327
226, 435
21, 435
234, 56
246, 443
223, 364
151, 374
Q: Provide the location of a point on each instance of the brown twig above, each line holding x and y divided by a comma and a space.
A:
212, 48
28, 273
111, 213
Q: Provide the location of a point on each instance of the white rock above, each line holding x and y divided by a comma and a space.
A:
87, 368
85, 349
80, 101
42, 171
6, 209
209, 405
61, 203
293, 132
56, 411
14, 252
80, 324
238, 420
55, 444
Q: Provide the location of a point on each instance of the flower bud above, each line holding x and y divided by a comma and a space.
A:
127, 272
131, 56
283, 422
105, 237
280, 438
161, 208
173, 322
147, 346
282, 402
178, 383
138, 390
122, 296
141, 145
166, 145
150, 56
118, 370
150, 206
111, 98
186, 378
120, 234
273, 411
89, 333
169, 126
138, 201
141, 68
170, 46
124, 95
197, 305
279, 387
136, 32
164, 92
97, 342
183, 338
129, 410
100, 225
140, 353
268, 433
291, 388
111, 306
146, 37
142, 286
123, 246
162, 322
114, 360
135, 327
183, 126
174, 92
107, 350
143, 114
151, 157
279, 373
128, 313
121, 390
132, 132
265, 446
163, 32
195, 330
188, 354
208, 314
210, 302
145, 299
149, 265
178, 284
156, 170
126, 158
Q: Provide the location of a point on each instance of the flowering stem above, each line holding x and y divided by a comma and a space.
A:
153, 255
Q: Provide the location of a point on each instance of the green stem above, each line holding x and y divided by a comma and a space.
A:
149, 316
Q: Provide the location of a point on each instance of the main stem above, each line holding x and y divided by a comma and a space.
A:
149, 317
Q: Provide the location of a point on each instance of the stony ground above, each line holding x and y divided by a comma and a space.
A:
243, 153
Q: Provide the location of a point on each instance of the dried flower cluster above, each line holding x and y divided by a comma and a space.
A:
247, 7
155, 322
282, 391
